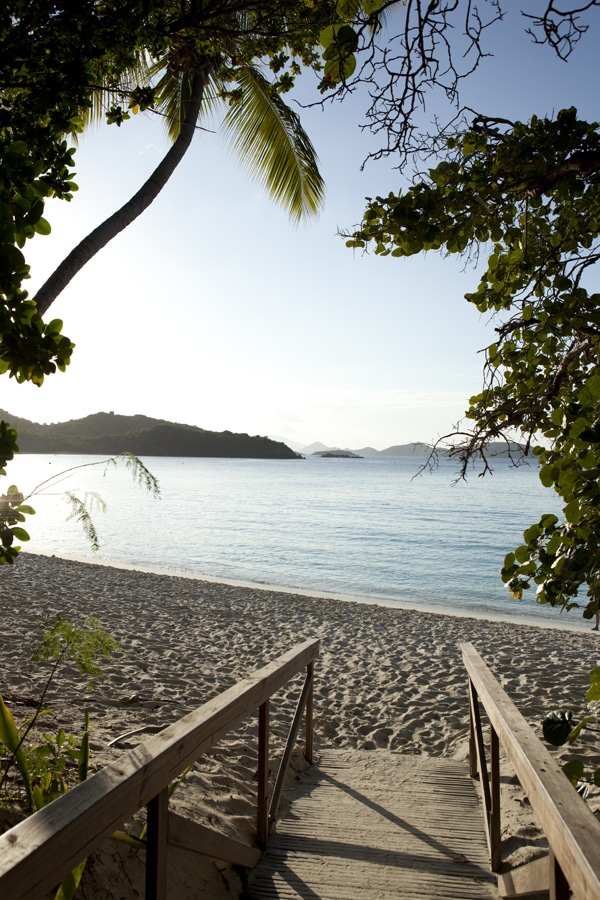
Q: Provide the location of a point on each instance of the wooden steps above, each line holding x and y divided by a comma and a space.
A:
376, 825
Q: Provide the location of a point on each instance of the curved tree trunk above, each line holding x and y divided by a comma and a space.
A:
111, 227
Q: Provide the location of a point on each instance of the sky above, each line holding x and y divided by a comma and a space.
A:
213, 310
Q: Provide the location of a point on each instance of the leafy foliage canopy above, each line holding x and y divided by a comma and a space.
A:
528, 195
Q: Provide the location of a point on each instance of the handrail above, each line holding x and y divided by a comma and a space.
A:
38, 852
572, 830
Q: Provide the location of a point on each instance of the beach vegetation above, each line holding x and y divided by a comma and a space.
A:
523, 200
559, 728
49, 763
43, 767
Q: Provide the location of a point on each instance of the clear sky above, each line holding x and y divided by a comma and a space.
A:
213, 310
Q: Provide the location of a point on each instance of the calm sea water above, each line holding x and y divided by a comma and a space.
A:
361, 529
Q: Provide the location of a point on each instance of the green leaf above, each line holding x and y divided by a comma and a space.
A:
561, 283
594, 691
579, 728
342, 37
39, 799
327, 36
573, 512
124, 838
26, 510
346, 39
593, 385
532, 533
69, 886
337, 70
9, 736
594, 675
574, 770
346, 9
42, 226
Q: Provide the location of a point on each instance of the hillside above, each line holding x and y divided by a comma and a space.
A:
109, 434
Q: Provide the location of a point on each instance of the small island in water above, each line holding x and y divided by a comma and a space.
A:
109, 434
337, 454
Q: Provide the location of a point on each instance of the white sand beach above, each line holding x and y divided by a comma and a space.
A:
386, 678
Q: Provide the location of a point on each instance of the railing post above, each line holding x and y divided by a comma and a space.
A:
156, 846
483, 771
308, 747
473, 771
262, 809
559, 886
495, 844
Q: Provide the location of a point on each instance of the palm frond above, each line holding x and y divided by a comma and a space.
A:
141, 474
269, 140
106, 94
173, 94
80, 512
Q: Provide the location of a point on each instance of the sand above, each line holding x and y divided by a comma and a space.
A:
386, 678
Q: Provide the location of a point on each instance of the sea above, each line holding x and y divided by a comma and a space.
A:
376, 530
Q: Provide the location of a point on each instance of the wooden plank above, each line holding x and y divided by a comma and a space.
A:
571, 828
377, 824
199, 838
473, 771
60, 835
262, 803
481, 766
495, 829
308, 743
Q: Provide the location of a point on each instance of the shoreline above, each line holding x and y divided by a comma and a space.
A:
214, 633
547, 619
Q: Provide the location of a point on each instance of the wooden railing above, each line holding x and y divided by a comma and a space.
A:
572, 831
37, 853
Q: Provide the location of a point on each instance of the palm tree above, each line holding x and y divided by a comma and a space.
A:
265, 133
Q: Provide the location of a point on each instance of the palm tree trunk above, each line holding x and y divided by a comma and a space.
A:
111, 227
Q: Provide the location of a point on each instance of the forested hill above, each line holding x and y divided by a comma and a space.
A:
109, 434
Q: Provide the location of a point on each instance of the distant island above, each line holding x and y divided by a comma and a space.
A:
336, 454
418, 450
108, 434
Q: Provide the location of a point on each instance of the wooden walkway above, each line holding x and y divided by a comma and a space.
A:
378, 825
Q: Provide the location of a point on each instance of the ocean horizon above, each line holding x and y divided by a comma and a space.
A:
372, 529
